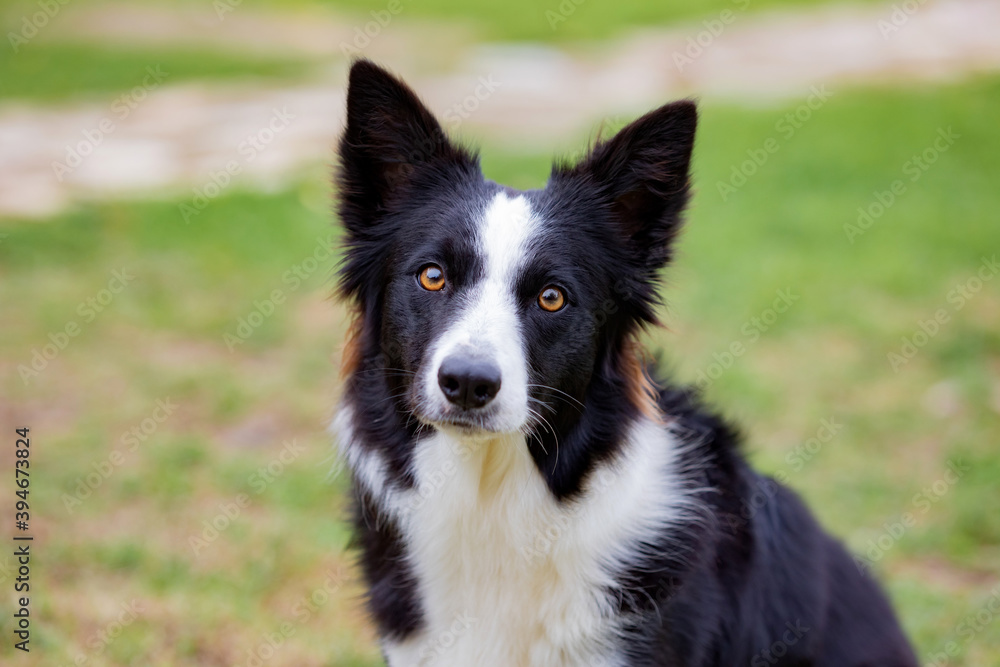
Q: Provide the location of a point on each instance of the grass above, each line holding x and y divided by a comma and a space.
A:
56, 71
553, 20
275, 571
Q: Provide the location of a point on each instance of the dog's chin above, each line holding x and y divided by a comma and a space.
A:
466, 426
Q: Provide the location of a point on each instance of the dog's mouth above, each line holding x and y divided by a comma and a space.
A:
467, 423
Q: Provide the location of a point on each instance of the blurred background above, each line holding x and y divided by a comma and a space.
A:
167, 247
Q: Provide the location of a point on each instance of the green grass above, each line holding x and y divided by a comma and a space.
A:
52, 71
162, 337
552, 20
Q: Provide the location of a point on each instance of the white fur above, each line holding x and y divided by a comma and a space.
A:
366, 465
488, 325
509, 576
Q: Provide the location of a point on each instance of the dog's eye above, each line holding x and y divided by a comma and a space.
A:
431, 278
551, 299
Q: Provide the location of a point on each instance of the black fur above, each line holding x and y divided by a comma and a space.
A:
738, 583
748, 586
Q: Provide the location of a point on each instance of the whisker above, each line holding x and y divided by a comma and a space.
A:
562, 395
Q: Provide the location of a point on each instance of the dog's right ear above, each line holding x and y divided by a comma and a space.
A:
390, 136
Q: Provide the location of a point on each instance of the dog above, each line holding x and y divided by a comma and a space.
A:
524, 493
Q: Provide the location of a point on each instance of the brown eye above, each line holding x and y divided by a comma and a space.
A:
432, 278
551, 299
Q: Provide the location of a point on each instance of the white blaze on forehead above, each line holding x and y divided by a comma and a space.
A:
488, 324
503, 237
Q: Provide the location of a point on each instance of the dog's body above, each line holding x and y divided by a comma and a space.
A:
524, 496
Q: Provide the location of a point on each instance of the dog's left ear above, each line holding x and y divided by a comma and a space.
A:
390, 137
642, 175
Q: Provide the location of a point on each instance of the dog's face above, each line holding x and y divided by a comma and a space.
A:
490, 310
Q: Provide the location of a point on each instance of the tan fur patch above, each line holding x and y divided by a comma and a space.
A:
643, 391
350, 354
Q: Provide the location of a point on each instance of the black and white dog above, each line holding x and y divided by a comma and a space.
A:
525, 495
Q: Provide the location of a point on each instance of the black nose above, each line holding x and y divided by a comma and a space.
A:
468, 383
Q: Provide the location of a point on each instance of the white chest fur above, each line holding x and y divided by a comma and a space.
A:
506, 574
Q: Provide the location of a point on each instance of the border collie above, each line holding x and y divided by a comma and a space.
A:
524, 493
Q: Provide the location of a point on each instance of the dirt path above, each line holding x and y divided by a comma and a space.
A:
199, 138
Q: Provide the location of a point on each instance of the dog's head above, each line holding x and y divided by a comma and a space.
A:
489, 310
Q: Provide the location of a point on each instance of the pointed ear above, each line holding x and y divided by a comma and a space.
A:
642, 175
390, 134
